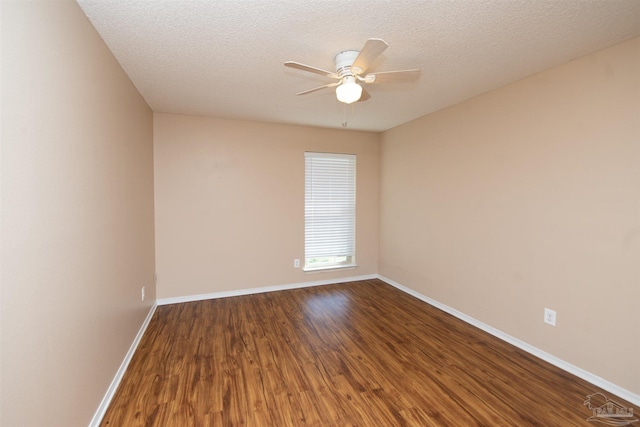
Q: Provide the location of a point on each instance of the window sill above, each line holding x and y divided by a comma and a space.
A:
329, 268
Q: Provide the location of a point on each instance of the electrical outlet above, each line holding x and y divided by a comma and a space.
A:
296, 263
550, 316
142, 293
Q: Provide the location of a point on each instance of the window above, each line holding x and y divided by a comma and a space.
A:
329, 211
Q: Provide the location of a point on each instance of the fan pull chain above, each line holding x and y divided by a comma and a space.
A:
344, 116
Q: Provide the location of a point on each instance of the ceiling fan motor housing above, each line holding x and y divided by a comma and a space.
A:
344, 60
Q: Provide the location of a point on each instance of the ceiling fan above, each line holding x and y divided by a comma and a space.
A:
350, 70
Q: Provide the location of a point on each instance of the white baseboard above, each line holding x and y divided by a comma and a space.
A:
111, 391
200, 297
572, 369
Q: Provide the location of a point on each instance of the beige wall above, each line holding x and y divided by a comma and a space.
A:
230, 202
524, 198
77, 215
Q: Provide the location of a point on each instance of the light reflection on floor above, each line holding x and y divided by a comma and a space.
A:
335, 305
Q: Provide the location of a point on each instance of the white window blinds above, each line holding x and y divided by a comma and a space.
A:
330, 210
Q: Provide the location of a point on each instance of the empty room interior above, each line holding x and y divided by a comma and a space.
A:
170, 255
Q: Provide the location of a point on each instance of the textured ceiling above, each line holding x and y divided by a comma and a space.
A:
225, 58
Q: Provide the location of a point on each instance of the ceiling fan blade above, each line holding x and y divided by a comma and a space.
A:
309, 68
365, 95
392, 76
318, 88
371, 50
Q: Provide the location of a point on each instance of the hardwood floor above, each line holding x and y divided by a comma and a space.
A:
354, 354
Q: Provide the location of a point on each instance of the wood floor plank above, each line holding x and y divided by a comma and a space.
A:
355, 354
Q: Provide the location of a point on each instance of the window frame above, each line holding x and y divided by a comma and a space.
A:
332, 177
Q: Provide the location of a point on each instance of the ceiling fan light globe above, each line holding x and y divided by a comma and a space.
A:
349, 92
